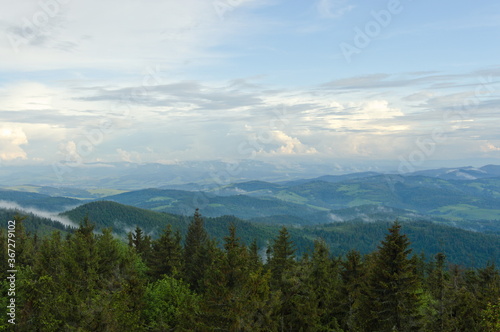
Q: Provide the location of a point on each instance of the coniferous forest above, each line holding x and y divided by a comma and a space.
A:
89, 281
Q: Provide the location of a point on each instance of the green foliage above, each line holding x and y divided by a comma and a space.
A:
166, 254
393, 285
168, 301
491, 317
88, 281
281, 256
461, 247
199, 252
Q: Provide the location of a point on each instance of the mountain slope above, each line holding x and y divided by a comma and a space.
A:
463, 247
185, 202
39, 201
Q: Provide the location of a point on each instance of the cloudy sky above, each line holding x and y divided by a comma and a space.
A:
323, 80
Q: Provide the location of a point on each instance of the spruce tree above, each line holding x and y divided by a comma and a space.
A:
281, 257
166, 254
438, 287
324, 281
141, 243
237, 298
394, 285
198, 252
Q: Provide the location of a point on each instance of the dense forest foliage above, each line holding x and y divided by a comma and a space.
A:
35, 224
472, 249
88, 281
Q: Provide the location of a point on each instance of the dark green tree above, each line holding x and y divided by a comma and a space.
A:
198, 252
394, 286
166, 255
281, 257
237, 298
352, 296
141, 243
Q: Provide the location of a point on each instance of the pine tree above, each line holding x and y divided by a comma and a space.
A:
324, 281
353, 292
281, 257
80, 261
438, 287
166, 254
141, 243
237, 298
394, 285
198, 252
255, 260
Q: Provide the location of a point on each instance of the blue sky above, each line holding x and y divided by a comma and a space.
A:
323, 81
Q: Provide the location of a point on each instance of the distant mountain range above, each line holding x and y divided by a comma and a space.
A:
466, 197
350, 211
201, 175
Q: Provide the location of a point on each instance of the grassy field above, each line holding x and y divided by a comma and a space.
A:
464, 211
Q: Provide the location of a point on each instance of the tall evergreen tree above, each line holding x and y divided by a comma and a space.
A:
353, 292
166, 254
237, 298
255, 260
438, 288
141, 243
394, 285
325, 283
198, 252
281, 256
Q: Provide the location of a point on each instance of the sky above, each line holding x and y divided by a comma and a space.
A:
411, 82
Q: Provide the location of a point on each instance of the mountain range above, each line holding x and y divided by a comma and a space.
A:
332, 207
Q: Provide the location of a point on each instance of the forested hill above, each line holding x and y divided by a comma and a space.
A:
316, 201
34, 224
39, 201
461, 246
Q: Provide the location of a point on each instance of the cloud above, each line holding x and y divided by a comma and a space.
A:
127, 156
489, 147
289, 145
333, 8
111, 34
26, 96
11, 139
40, 213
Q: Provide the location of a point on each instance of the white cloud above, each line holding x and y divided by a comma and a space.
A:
11, 139
489, 147
287, 145
26, 96
333, 8
131, 157
40, 213
111, 34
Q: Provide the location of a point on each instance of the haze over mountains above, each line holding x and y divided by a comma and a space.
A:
347, 210
452, 195
200, 175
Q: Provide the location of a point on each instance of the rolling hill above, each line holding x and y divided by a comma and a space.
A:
461, 246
